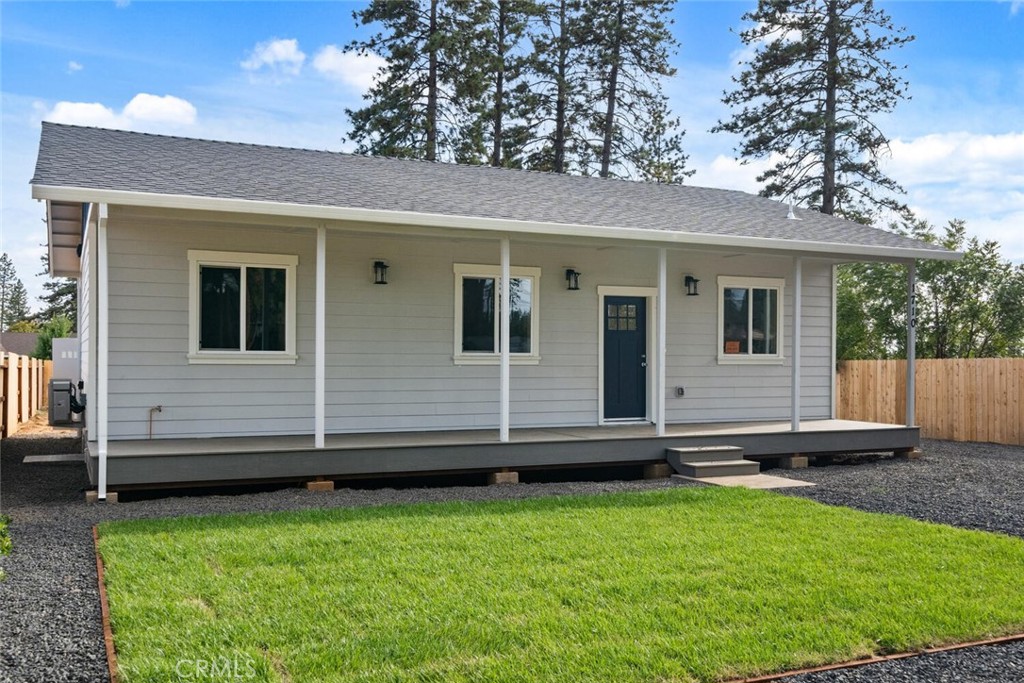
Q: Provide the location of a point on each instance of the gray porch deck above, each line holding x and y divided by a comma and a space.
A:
184, 461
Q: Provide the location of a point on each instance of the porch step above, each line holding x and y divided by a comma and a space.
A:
676, 456
702, 462
718, 468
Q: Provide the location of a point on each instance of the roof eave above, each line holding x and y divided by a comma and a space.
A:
188, 202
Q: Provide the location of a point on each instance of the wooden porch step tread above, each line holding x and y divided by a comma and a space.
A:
678, 456
717, 468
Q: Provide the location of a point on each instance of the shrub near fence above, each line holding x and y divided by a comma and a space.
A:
24, 385
970, 399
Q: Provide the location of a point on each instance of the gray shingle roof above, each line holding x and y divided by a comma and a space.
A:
94, 158
21, 343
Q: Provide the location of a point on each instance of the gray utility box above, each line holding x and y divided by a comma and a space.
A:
60, 401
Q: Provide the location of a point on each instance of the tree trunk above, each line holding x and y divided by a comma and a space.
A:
828, 184
613, 82
561, 102
431, 122
499, 83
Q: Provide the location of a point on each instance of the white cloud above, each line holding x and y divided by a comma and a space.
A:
166, 109
74, 67
968, 159
355, 70
280, 58
83, 114
972, 176
729, 174
1015, 6
141, 112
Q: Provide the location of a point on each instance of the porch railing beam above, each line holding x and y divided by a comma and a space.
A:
798, 286
505, 317
659, 384
911, 340
102, 398
320, 371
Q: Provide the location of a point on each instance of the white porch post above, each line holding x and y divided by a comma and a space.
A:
911, 339
320, 371
504, 322
798, 286
102, 349
662, 340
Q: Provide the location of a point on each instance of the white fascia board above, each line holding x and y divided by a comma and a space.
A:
188, 202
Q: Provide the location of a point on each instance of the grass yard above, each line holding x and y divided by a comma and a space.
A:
688, 584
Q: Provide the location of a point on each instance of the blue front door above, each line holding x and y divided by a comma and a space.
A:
625, 357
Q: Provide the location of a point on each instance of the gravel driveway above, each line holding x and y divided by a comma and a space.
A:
49, 610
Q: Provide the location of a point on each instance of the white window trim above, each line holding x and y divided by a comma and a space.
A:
231, 259
494, 271
727, 281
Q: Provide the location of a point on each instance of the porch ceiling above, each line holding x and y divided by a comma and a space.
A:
64, 224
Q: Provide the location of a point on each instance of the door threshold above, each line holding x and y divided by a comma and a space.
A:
611, 422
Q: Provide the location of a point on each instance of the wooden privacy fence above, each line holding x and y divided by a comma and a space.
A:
970, 399
24, 384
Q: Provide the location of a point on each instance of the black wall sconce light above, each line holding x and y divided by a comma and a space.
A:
380, 272
572, 278
690, 282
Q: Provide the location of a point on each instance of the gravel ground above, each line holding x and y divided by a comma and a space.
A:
49, 610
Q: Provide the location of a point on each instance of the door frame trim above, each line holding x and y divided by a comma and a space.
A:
651, 295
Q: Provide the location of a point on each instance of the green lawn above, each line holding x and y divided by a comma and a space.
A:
673, 585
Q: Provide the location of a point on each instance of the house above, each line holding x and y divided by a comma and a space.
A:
252, 312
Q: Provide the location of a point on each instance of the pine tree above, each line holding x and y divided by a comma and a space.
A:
808, 95
413, 109
555, 105
628, 58
61, 298
492, 83
13, 297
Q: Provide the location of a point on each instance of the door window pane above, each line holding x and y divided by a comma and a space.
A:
736, 302
265, 309
219, 306
478, 314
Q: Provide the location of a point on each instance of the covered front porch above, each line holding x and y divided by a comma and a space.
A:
169, 462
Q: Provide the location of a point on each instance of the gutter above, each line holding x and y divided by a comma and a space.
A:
497, 225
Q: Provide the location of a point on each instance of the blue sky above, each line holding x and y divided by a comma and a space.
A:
277, 73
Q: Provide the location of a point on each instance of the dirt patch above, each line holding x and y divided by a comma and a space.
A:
39, 427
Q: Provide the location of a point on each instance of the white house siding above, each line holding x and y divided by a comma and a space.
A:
389, 348
149, 337
716, 392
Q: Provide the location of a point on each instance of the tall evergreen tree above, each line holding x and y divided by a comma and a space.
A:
13, 297
630, 43
60, 299
412, 109
809, 94
492, 79
556, 100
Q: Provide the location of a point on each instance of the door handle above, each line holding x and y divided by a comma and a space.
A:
643, 364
